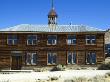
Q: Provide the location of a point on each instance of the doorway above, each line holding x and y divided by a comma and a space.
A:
16, 62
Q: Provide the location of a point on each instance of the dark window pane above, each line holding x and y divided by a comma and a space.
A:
15, 42
49, 41
93, 37
10, 37
30, 42
51, 37
10, 42
49, 59
53, 41
71, 37
74, 57
54, 58
14, 37
69, 58
34, 58
88, 41
73, 41
93, 57
34, 42
28, 59
93, 41
87, 37
32, 39
108, 50
88, 58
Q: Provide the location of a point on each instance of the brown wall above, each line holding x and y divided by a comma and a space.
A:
42, 48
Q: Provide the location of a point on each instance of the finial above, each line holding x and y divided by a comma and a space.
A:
52, 4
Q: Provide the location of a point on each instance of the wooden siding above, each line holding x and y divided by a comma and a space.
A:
42, 48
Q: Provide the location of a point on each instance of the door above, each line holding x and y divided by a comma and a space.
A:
16, 62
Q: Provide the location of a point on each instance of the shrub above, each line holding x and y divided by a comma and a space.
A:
69, 80
107, 74
54, 78
104, 67
58, 68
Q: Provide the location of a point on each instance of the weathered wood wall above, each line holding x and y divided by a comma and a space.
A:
42, 48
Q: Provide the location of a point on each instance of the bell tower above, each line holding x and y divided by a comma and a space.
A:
52, 17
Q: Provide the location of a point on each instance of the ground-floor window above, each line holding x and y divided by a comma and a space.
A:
71, 58
31, 58
91, 58
51, 58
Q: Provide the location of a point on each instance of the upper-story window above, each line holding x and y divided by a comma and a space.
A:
32, 40
51, 40
71, 40
90, 39
12, 40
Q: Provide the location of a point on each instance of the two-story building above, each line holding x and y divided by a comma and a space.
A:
52, 44
107, 43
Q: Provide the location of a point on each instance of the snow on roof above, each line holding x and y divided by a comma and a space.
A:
46, 28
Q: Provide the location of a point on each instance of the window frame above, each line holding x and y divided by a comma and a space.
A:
108, 50
14, 40
31, 59
90, 39
91, 58
55, 41
72, 60
93, 39
52, 55
71, 40
32, 41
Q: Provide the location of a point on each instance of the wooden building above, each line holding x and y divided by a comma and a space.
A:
45, 45
107, 43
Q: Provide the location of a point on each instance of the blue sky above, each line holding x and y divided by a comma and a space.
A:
95, 13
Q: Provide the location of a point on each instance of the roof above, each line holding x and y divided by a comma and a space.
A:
46, 28
52, 13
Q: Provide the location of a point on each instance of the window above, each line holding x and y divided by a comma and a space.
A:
109, 50
90, 39
93, 39
71, 39
52, 58
31, 58
12, 40
71, 58
91, 58
31, 40
52, 40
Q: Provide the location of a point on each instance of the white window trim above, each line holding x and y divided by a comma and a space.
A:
52, 61
71, 40
31, 59
55, 40
86, 58
13, 41
91, 43
32, 40
90, 54
72, 53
